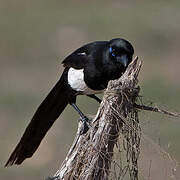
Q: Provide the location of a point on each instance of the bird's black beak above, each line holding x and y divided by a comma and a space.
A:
123, 59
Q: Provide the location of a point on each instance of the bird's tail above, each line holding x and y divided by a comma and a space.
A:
43, 119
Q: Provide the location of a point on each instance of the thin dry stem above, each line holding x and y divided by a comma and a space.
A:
156, 109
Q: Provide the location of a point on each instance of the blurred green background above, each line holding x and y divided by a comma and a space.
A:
35, 36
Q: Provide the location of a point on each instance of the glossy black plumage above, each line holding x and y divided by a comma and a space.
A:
101, 61
46, 114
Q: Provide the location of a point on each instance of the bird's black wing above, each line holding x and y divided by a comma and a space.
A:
81, 57
77, 60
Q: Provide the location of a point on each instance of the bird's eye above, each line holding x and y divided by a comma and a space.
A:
112, 52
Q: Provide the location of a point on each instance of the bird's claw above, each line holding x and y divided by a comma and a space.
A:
85, 125
52, 178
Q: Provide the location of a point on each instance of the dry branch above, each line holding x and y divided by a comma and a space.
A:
156, 109
91, 155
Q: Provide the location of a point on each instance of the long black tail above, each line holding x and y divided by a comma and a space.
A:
43, 119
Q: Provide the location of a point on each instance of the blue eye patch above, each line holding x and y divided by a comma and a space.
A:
111, 51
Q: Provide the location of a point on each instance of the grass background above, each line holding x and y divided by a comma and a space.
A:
35, 36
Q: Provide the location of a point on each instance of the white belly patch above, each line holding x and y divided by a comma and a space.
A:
76, 81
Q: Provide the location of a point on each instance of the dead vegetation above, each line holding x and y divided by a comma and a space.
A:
111, 148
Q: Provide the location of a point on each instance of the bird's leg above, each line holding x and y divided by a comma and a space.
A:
52, 178
84, 119
94, 97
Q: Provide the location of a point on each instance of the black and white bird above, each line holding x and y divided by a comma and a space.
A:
87, 72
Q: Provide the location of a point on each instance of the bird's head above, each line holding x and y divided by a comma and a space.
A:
120, 52
118, 55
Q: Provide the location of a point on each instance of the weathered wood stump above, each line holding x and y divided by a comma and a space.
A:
91, 155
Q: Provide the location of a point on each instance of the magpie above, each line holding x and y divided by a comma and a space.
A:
87, 71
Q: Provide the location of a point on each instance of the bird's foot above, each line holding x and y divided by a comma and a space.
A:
85, 125
52, 178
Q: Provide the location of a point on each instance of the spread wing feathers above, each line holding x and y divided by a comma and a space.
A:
44, 117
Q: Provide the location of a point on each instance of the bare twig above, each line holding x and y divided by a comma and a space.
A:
156, 109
